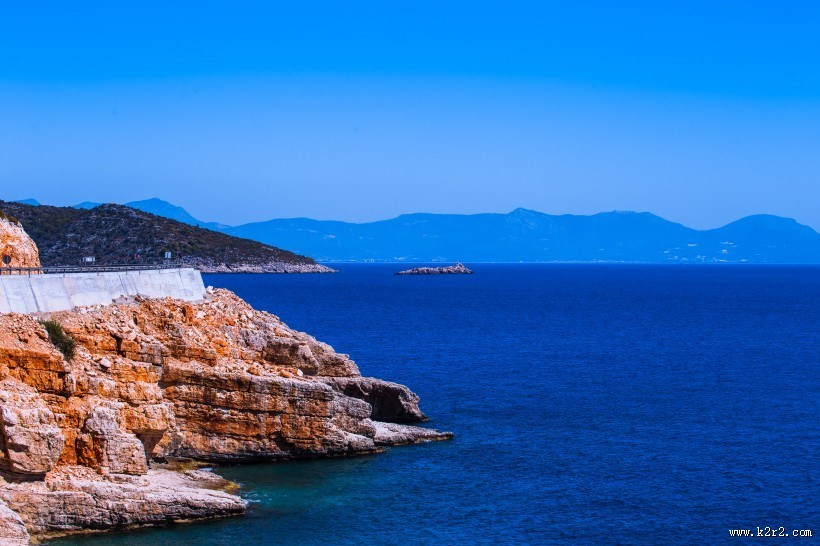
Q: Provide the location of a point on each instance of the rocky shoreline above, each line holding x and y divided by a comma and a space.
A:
78, 500
457, 269
105, 410
84, 441
272, 267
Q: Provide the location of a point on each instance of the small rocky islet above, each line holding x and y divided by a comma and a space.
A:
457, 269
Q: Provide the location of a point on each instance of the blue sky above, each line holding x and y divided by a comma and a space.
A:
701, 112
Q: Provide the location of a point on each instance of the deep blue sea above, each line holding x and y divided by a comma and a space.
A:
592, 404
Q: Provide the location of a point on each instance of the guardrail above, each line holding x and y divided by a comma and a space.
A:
4, 270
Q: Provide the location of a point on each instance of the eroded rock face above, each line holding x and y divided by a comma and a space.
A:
30, 440
154, 380
13, 530
389, 401
73, 499
16, 247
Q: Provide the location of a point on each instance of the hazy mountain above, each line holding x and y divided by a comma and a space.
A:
164, 209
153, 206
169, 210
529, 236
87, 205
523, 236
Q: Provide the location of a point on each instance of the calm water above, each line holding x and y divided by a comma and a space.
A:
591, 404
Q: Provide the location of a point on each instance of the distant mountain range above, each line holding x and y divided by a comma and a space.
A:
154, 206
167, 210
529, 236
524, 236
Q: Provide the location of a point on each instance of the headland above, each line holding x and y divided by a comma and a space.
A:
106, 431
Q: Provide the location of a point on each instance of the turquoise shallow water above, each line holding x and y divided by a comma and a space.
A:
591, 405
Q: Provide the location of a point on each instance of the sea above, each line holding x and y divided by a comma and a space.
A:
591, 404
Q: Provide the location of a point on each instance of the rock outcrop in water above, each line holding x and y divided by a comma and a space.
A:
82, 442
458, 269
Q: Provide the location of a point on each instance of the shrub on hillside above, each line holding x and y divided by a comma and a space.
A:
8, 217
60, 338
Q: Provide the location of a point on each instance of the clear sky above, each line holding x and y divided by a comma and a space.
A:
699, 111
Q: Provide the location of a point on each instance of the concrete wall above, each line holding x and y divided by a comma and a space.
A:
61, 292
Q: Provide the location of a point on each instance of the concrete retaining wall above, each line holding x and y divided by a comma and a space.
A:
61, 292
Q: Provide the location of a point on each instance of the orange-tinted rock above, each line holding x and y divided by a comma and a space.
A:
104, 444
30, 440
158, 379
26, 354
13, 530
16, 247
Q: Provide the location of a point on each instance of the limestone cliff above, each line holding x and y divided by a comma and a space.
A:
82, 442
16, 247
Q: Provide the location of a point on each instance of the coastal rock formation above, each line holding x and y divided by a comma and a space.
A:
30, 440
159, 380
75, 498
458, 269
389, 401
269, 267
17, 249
13, 531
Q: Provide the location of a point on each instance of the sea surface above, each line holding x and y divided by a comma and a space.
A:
592, 404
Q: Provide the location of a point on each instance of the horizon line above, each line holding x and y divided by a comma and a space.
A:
524, 209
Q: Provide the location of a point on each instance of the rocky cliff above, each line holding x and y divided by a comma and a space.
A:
86, 443
16, 247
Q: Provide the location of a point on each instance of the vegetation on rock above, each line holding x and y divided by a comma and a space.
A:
8, 217
60, 338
